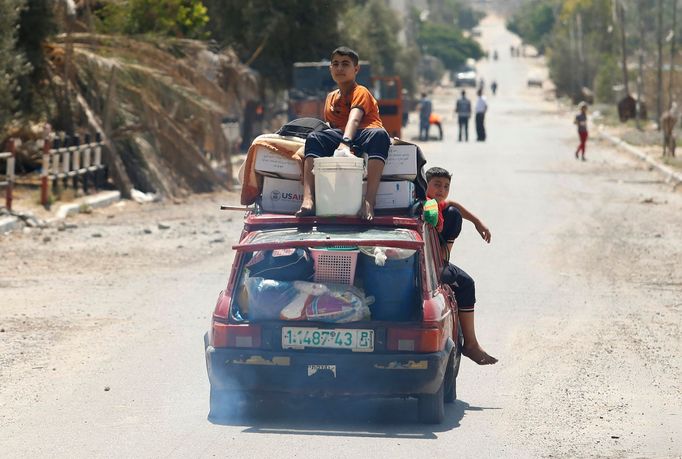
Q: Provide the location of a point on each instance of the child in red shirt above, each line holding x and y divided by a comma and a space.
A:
581, 121
449, 226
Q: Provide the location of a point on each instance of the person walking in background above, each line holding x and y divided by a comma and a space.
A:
463, 111
405, 101
493, 87
581, 121
481, 108
425, 109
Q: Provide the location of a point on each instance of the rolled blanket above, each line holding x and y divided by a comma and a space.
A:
252, 183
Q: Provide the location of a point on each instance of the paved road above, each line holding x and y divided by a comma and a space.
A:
579, 295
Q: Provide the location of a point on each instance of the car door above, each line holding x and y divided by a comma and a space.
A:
437, 263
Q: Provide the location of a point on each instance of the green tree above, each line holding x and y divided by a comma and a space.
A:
468, 18
270, 35
36, 24
582, 42
13, 64
608, 74
371, 28
447, 43
578, 38
176, 18
534, 22
454, 12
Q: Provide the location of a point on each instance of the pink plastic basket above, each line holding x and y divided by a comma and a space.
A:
334, 266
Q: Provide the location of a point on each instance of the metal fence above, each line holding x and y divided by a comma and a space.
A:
68, 162
7, 180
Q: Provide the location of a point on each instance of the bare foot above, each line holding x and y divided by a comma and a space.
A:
478, 355
307, 209
366, 211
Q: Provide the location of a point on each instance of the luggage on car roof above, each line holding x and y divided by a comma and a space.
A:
301, 127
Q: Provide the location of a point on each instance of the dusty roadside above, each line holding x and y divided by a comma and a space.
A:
91, 252
646, 137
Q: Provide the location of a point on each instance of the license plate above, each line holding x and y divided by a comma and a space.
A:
358, 340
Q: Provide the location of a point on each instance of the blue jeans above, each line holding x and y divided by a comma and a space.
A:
463, 122
424, 126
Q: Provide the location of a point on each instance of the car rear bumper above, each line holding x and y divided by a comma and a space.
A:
326, 374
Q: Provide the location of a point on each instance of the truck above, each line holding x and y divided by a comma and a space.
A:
312, 82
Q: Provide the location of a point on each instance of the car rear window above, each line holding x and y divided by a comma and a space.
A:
284, 274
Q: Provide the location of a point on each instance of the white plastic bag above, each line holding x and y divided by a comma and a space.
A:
381, 254
342, 152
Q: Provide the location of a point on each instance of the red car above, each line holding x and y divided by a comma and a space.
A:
411, 352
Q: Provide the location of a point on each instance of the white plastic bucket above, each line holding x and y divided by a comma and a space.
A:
338, 186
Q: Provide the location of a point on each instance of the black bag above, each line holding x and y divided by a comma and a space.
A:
282, 265
301, 127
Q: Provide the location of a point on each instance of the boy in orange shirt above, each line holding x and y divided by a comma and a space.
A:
353, 114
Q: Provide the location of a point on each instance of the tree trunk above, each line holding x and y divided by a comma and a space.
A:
581, 51
111, 155
575, 86
66, 118
640, 77
659, 73
623, 49
671, 73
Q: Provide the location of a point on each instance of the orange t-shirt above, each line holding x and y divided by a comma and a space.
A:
337, 108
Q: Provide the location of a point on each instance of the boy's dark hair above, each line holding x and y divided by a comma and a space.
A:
346, 51
437, 172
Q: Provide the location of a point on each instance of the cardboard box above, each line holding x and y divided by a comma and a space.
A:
401, 162
272, 164
281, 196
393, 195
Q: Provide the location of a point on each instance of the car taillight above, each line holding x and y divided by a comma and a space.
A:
236, 335
414, 339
